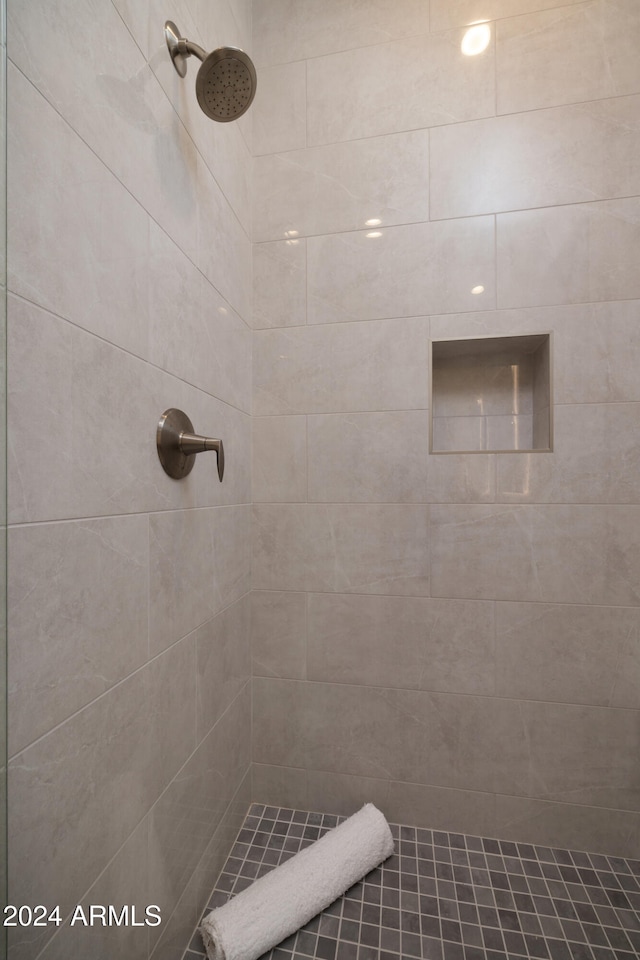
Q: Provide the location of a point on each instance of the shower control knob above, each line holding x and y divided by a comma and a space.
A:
178, 445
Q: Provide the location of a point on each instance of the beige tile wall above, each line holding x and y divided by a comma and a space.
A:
454, 637
130, 291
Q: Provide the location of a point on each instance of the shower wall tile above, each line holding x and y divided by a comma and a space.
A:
549, 553
194, 896
224, 22
356, 457
364, 548
569, 154
345, 367
279, 467
569, 254
279, 634
75, 642
419, 643
410, 270
224, 249
125, 881
343, 185
407, 84
276, 784
223, 662
550, 824
596, 459
285, 30
111, 98
279, 284
446, 14
194, 333
441, 808
89, 411
78, 242
362, 731
115, 179
344, 793
568, 653
279, 110
468, 743
570, 54
593, 762
199, 563
76, 794
368, 548
458, 478
182, 823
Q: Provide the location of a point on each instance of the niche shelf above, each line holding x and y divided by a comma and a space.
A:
491, 395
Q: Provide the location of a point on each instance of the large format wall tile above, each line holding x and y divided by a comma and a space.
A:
406, 271
279, 283
88, 626
183, 822
90, 411
582, 152
342, 186
350, 548
331, 368
193, 332
110, 96
404, 85
369, 457
552, 553
568, 653
440, 645
571, 54
569, 254
279, 467
470, 743
76, 794
279, 634
223, 662
199, 563
279, 111
78, 241
125, 881
593, 762
397, 734
287, 30
224, 248
613, 832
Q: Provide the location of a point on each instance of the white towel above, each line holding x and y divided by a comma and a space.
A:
286, 898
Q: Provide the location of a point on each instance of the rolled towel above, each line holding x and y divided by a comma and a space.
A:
287, 897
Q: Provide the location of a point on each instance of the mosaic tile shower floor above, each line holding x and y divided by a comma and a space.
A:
448, 896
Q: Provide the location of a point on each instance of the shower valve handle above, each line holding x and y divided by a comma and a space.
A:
178, 445
192, 443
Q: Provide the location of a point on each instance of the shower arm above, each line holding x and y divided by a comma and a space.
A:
181, 49
188, 48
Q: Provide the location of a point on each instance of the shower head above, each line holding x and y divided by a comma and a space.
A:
226, 81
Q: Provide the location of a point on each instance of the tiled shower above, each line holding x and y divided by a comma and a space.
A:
351, 615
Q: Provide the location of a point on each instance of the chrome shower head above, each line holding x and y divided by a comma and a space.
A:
226, 81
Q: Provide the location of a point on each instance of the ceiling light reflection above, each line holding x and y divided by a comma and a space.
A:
477, 290
374, 233
476, 39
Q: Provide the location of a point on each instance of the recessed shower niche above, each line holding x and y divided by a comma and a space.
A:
491, 394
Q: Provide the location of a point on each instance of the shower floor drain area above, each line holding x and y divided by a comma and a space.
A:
448, 896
